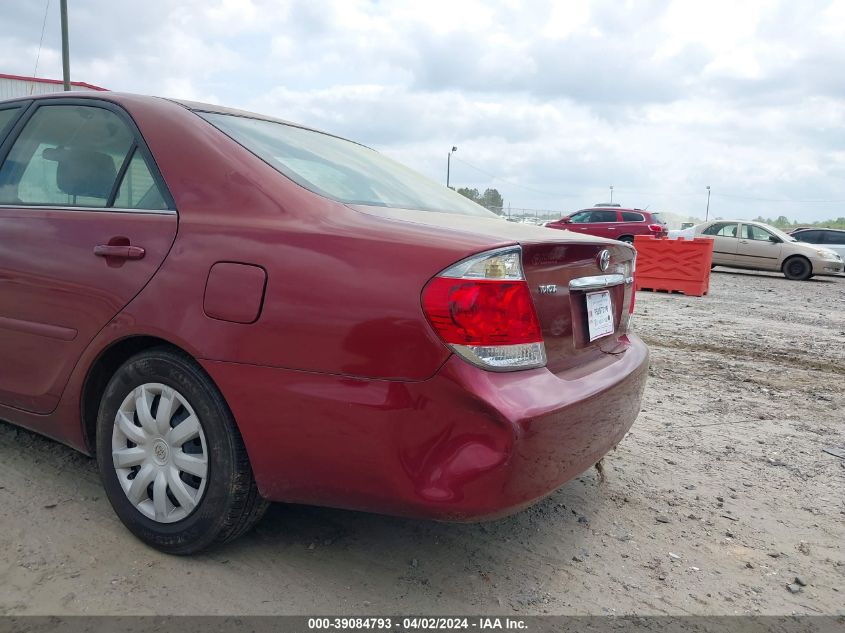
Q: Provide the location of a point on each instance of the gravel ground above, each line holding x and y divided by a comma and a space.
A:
719, 501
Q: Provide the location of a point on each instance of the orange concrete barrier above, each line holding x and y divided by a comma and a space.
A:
673, 265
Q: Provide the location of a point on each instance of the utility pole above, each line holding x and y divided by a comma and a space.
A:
65, 48
449, 163
611, 194
707, 212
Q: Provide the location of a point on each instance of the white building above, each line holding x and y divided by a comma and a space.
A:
12, 86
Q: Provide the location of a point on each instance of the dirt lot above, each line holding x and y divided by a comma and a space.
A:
714, 503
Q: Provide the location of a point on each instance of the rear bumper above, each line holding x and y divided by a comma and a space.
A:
466, 444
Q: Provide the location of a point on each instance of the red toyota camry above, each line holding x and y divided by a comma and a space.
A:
228, 309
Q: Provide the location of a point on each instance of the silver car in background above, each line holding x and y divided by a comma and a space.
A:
831, 239
758, 246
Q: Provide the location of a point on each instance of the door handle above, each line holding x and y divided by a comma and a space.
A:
743, 241
119, 252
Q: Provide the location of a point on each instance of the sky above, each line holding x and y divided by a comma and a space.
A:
549, 102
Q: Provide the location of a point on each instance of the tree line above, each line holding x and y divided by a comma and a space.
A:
784, 223
490, 199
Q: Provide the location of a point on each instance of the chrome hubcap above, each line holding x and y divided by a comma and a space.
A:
159, 453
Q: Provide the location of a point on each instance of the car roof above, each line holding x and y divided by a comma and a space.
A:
614, 209
122, 98
817, 228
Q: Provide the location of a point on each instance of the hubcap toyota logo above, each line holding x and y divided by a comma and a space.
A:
604, 260
160, 450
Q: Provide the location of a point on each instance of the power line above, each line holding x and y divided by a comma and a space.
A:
659, 194
40, 42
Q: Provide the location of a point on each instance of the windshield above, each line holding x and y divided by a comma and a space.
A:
340, 169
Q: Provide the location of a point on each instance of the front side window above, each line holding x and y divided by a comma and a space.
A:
581, 217
340, 169
810, 237
66, 155
752, 232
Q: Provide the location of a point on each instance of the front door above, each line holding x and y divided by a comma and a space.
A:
85, 221
758, 248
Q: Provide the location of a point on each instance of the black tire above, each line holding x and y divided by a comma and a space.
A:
628, 239
228, 503
797, 268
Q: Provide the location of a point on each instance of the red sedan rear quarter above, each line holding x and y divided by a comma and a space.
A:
228, 309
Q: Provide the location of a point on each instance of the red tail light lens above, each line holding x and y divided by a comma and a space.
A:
656, 228
481, 311
482, 308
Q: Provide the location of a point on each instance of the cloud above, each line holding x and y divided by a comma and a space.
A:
549, 102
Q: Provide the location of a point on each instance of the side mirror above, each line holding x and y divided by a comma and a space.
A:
775, 239
566, 220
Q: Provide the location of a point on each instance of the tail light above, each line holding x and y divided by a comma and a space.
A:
656, 228
482, 308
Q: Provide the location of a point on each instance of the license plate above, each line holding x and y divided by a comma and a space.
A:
599, 314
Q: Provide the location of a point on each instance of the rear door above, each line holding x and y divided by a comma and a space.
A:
85, 221
605, 223
835, 241
758, 248
725, 242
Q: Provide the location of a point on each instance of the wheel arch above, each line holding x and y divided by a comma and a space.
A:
101, 371
788, 259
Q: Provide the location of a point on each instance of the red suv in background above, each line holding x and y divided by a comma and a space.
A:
615, 223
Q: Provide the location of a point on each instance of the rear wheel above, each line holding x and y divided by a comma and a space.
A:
797, 268
171, 458
628, 239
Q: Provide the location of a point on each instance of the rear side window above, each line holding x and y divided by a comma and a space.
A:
138, 189
6, 117
722, 229
66, 155
75, 155
834, 237
603, 216
630, 216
